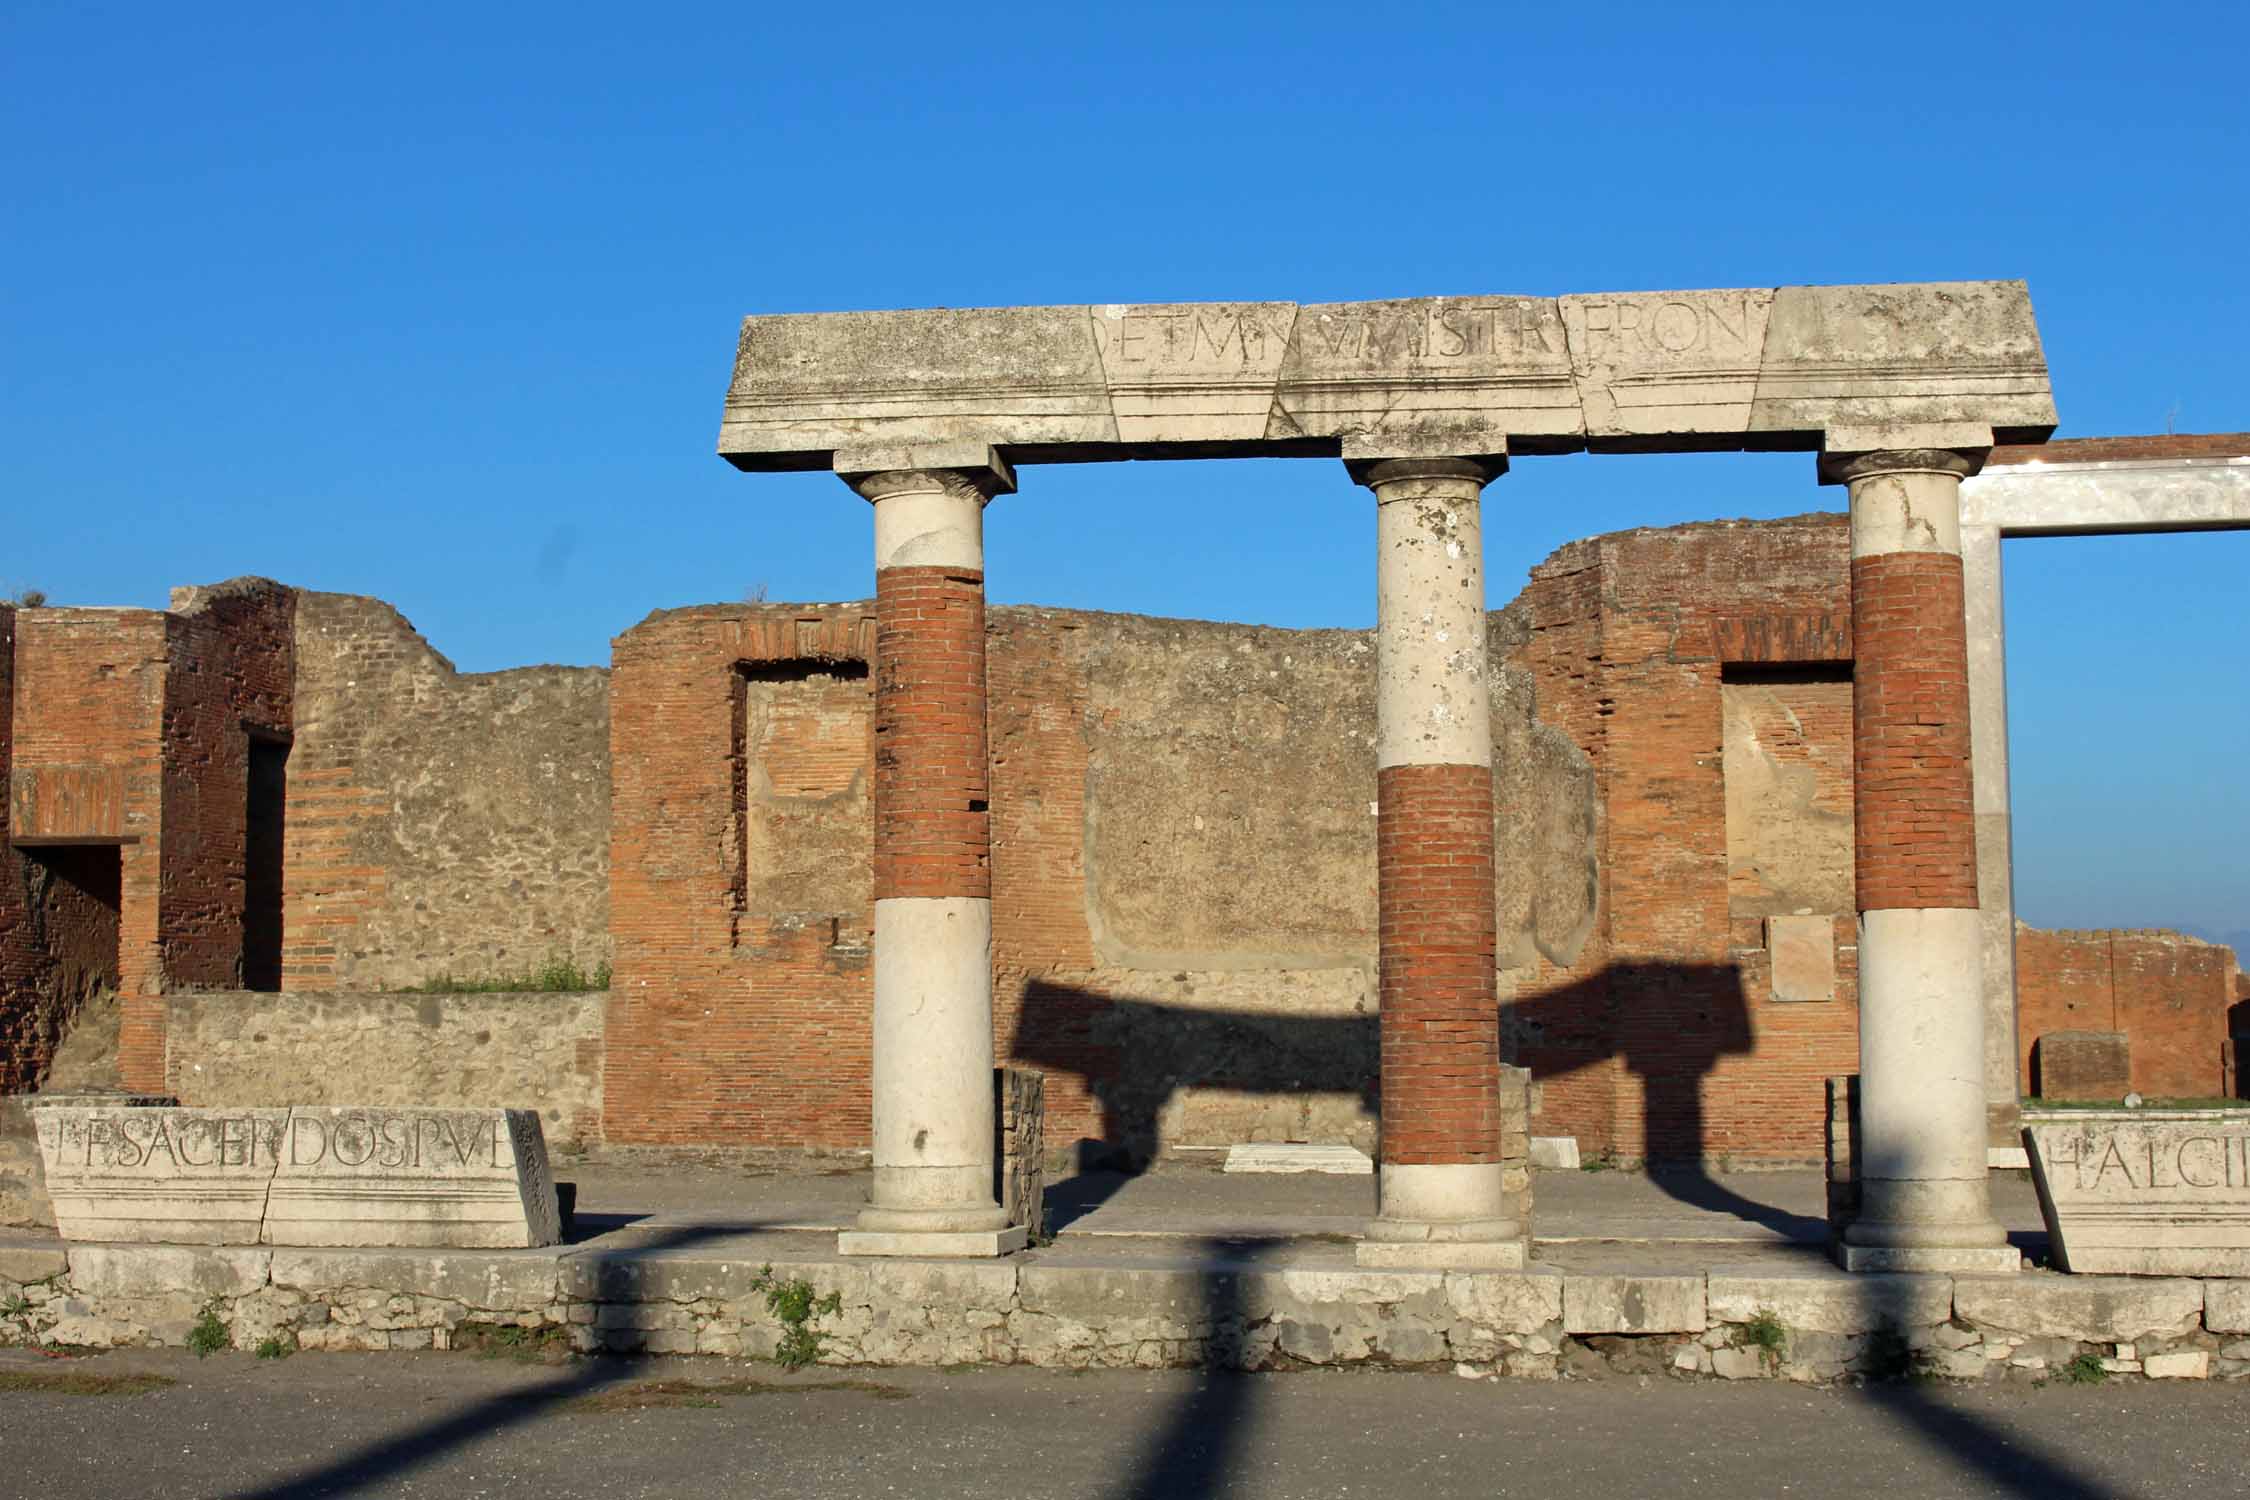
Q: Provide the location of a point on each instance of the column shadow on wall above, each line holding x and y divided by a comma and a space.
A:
1670, 1024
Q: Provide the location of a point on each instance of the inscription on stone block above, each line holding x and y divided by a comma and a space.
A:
2135, 1196
1413, 377
308, 1176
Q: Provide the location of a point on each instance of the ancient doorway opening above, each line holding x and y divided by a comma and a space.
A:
264, 834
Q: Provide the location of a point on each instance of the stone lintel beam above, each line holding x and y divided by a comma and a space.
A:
1748, 368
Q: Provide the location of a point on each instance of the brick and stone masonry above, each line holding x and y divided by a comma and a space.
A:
1923, 1199
932, 1190
1442, 1197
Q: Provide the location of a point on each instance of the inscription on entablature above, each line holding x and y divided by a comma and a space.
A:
1678, 362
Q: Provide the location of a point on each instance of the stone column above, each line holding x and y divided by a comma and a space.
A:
933, 1181
1923, 1200
1996, 897
1440, 1191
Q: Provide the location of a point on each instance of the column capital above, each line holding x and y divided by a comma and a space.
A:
1382, 474
920, 468
1843, 466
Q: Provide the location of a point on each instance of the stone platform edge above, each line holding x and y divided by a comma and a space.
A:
1535, 1324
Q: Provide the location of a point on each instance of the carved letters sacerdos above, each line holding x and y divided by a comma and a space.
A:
367, 1142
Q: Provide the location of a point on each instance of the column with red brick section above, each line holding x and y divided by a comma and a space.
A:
1440, 1188
933, 1056
1924, 1205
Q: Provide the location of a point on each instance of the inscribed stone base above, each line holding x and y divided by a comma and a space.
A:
1993, 1260
471, 1179
1441, 1255
2143, 1193
966, 1244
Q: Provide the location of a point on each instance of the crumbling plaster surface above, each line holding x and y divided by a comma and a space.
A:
243, 1050
438, 821
1230, 818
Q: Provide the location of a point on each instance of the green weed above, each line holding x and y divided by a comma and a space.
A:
209, 1335
1766, 1333
794, 1305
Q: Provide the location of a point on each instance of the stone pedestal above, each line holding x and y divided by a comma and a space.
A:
933, 1055
1442, 1185
1923, 1204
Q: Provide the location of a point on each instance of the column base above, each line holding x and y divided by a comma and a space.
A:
1441, 1255
955, 1244
1997, 1260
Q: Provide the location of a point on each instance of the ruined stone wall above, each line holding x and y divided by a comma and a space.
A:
1183, 874
743, 996
1659, 652
2169, 994
242, 1049
438, 822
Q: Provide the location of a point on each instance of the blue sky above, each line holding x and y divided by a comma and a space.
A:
437, 302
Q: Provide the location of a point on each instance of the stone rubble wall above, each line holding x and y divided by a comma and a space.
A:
1538, 1325
243, 1049
438, 822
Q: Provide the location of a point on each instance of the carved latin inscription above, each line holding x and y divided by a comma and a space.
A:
2164, 1196
308, 1176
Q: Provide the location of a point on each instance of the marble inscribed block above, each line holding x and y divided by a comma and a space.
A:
1803, 950
159, 1176
471, 1179
2135, 1196
459, 1178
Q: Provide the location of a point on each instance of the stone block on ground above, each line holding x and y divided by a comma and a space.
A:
2093, 1309
1020, 1115
1633, 1304
2083, 1066
1555, 1153
2226, 1306
1298, 1156
1829, 1301
308, 1176
2131, 1195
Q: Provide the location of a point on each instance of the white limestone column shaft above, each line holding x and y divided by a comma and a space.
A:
1433, 702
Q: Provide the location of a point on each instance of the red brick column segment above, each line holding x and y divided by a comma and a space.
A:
932, 828
1915, 823
1441, 1030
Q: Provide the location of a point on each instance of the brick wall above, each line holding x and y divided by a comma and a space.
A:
438, 822
2169, 994
740, 1009
1184, 936
1662, 1038
132, 732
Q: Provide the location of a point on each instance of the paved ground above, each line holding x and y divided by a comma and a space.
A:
1585, 1221
463, 1428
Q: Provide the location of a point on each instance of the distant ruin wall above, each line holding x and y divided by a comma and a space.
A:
2169, 994
520, 1051
438, 822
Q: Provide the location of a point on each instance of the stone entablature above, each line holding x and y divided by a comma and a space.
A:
1759, 367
